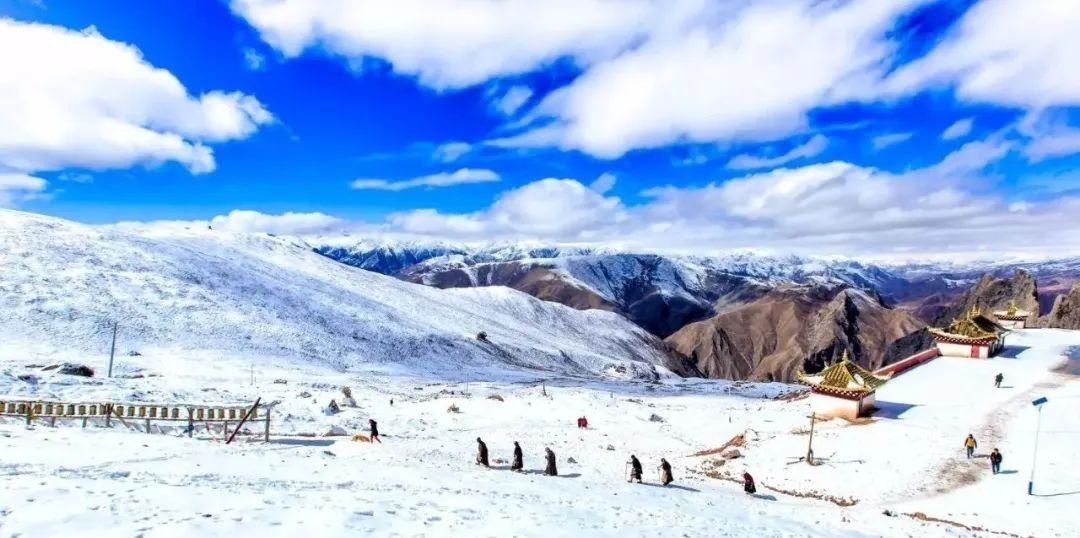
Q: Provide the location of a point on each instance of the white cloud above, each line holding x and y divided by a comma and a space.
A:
444, 179
883, 141
240, 220
1006, 52
1051, 135
456, 43
16, 188
254, 60
1058, 143
512, 100
812, 147
959, 129
754, 75
831, 208
78, 99
603, 183
451, 151
553, 209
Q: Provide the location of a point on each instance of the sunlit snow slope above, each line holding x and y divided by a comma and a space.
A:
62, 284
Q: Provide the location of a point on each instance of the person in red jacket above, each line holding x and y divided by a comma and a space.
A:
748, 484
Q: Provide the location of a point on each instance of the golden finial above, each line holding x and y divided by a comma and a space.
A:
1012, 308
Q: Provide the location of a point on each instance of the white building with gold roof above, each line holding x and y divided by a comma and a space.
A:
1012, 317
843, 389
973, 336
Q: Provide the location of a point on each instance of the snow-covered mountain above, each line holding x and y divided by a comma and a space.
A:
661, 293
207, 291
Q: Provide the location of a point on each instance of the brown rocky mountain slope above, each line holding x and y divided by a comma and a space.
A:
805, 327
1065, 313
992, 293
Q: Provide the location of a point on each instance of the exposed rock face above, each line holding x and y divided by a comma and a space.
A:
774, 336
1065, 313
993, 293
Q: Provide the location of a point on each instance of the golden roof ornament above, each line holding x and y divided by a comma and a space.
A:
1012, 308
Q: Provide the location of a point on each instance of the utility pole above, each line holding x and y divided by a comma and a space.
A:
1035, 451
112, 350
810, 445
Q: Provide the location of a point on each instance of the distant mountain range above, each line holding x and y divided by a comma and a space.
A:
726, 314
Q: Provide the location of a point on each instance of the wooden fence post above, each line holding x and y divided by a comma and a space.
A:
190, 422
108, 415
266, 433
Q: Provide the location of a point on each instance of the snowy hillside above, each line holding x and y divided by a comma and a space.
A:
188, 291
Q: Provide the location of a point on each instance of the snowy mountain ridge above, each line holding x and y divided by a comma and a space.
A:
265, 296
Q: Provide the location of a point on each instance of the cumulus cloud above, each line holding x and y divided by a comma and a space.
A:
959, 129
242, 220
754, 76
78, 99
456, 43
443, 179
812, 147
655, 73
16, 188
949, 208
1005, 52
553, 209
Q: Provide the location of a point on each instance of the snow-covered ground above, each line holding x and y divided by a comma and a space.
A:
422, 480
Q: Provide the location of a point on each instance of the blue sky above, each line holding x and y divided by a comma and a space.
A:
710, 122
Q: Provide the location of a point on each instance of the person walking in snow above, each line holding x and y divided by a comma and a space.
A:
374, 427
970, 445
748, 484
517, 464
995, 461
635, 469
997, 380
481, 452
551, 469
665, 472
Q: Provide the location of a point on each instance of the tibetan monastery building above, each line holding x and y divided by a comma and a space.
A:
973, 335
1012, 318
843, 389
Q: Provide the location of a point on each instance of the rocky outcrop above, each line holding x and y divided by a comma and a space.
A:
992, 293
796, 328
1065, 314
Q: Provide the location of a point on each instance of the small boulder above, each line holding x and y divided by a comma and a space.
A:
80, 370
610, 447
571, 460
29, 378
731, 454
495, 397
304, 394
280, 381
655, 418
453, 409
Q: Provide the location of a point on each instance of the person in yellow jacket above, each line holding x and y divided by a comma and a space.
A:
971, 445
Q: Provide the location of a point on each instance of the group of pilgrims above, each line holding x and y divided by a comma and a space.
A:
517, 463
551, 469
